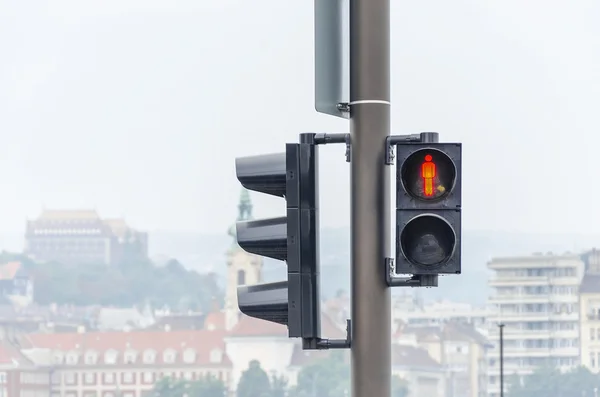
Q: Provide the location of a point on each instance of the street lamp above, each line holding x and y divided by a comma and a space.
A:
501, 328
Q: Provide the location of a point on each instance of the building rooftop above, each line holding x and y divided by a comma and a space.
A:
69, 215
250, 326
590, 284
9, 270
451, 331
411, 356
201, 342
535, 257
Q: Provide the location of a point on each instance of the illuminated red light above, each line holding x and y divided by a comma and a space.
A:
428, 171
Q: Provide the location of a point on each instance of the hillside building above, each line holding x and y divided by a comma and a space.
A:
82, 237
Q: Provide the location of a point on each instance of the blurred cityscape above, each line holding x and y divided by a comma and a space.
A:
82, 314
53, 345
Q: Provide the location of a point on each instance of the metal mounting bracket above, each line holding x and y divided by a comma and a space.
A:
393, 140
325, 344
416, 280
324, 139
343, 107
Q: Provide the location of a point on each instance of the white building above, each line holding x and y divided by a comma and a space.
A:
411, 311
536, 298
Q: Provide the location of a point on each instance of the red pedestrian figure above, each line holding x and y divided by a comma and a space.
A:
428, 172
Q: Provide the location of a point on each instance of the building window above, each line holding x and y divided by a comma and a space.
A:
129, 358
70, 378
148, 377
90, 358
127, 377
110, 357
169, 356
149, 357
71, 358
592, 360
216, 356
189, 356
592, 334
109, 378
241, 277
89, 378
56, 378
58, 358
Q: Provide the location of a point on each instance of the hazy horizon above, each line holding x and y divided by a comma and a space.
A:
139, 108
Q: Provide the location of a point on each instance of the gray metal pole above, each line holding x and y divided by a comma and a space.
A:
370, 196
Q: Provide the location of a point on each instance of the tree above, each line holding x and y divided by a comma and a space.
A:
137, 281
278, 386
551, 382
328, 377
207, 386
399, 387
168, 387
254, 382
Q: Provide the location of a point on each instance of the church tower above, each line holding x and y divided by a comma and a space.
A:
243, 268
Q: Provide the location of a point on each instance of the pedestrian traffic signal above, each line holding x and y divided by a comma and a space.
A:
294, 238
428, 208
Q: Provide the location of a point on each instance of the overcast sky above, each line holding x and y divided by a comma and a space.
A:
138, 107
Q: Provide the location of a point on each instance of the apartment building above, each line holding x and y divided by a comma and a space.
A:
589, 312
459, 349
80, 237
412, 311
537, 299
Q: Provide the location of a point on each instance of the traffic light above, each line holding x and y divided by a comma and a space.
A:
294, 238
428, 208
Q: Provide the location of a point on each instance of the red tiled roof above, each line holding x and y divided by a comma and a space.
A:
9, 270
215, 321
12, 356
410, 356
203, 342
250, 326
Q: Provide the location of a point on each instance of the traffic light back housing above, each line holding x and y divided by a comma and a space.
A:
294, 239
428, 208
